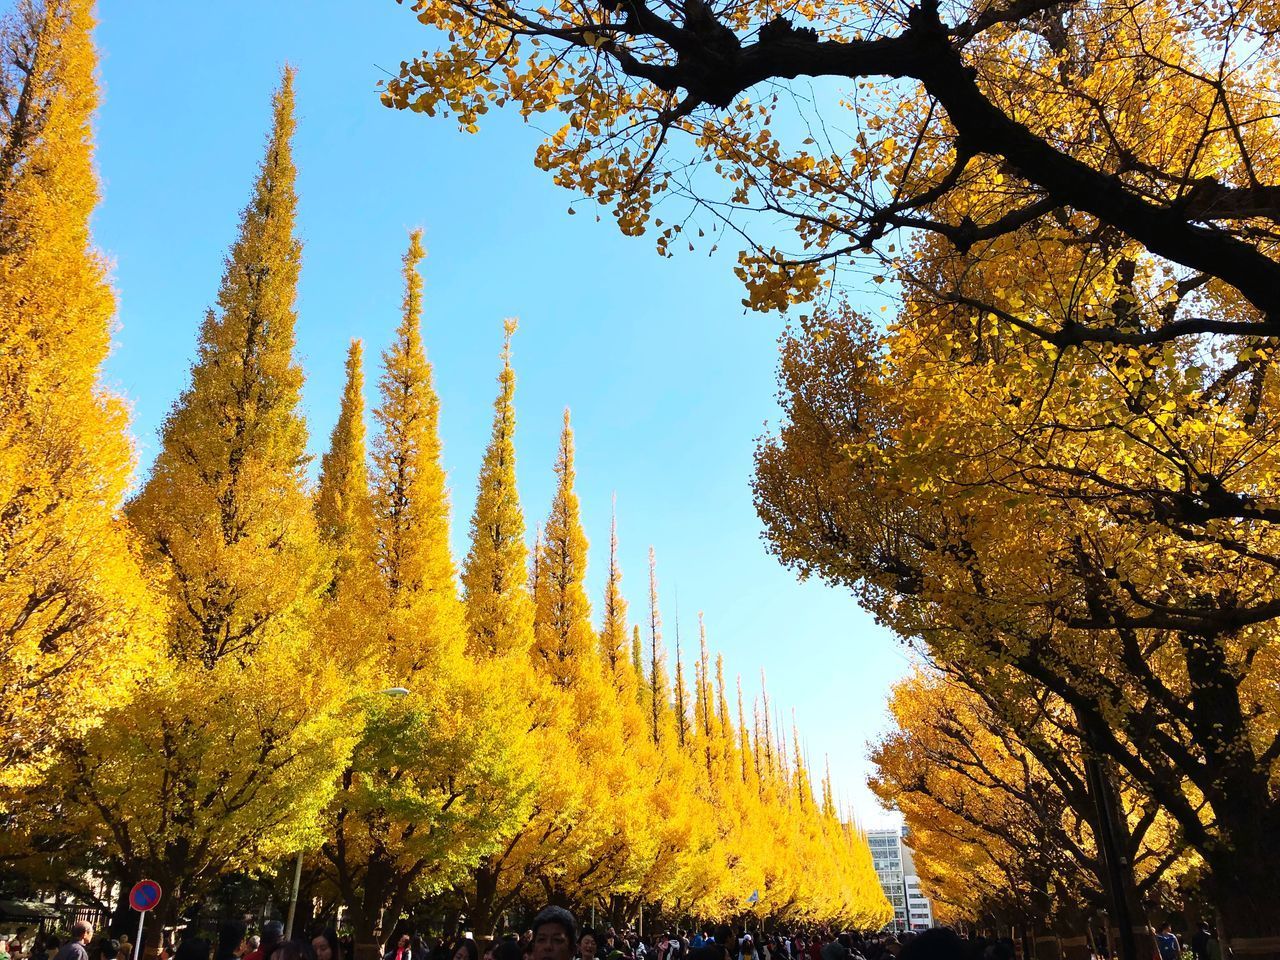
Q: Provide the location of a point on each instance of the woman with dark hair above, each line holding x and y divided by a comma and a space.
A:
465, 949
326, 945
401, 950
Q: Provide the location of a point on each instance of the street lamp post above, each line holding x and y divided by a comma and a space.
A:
297, 866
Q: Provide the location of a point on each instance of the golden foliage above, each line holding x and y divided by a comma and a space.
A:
526, 748
77, 626
231, 748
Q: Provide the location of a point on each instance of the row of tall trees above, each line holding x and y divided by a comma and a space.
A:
1054, 471
235, 667
1003, 818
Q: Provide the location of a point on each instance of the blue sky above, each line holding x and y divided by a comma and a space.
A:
669, 380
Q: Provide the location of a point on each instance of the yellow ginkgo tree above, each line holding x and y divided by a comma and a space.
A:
78, 626
230, 748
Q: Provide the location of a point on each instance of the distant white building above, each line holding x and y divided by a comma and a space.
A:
897, 872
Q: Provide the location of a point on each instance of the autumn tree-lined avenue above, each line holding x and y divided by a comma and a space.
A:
1050, 463
1052, 471
233, 668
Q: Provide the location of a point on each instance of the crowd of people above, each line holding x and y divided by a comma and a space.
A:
80, 945
556, 935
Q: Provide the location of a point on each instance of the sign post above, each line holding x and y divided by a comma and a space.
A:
143, 897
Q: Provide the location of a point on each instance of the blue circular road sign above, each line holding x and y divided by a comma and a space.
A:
144, 895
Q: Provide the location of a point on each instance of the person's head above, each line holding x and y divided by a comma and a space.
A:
936, 944
193, 948
509, 949
588, 945
291, 950
554, 934
107, 949
231, 942
326, 946
272, 934
81, 932
465, 949
403, 941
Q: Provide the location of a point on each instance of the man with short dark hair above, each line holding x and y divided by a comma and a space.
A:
1167, 943
73, 949
555, 934
837, 949
231, 940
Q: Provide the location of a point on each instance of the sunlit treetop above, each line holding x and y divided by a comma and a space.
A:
699, 121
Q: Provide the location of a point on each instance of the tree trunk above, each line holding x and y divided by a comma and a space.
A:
1241, 858
1046, 944
166, 914
123, 918
364, 910
1111, 836
305, 914
1244, 882
1025, 936
484, 906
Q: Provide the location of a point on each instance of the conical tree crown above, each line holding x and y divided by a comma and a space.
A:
828, 794
354, 599
224, 509
499, 609
344, 510
724, 724
660, 719
70, 587
681, 693
704, 719
746, 753
534, 559
564, 643
410, 499
803, 784
614, 642
637, 664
